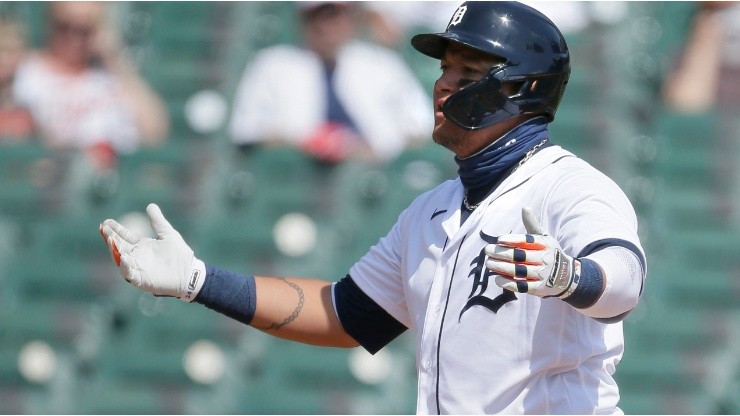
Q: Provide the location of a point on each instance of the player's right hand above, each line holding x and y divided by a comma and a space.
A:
533, 263
162, 266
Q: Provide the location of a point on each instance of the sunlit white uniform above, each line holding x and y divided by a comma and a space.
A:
480, 349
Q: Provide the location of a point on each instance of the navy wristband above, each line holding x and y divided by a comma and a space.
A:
590, 286
229, 293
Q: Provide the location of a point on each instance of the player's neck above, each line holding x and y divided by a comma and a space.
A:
495, 161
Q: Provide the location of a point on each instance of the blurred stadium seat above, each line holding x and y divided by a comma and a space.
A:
109, 397
29, 180
160, 175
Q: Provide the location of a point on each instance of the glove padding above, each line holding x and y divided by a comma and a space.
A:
532, 263
162, 266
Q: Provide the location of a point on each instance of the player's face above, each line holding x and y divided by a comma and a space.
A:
460, 66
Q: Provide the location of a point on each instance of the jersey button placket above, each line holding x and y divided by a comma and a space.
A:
427, 375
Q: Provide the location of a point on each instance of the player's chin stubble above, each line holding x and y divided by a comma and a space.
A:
443, 136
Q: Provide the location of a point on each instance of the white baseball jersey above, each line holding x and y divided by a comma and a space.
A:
480, 349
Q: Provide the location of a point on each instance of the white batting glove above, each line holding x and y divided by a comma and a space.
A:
533, 263
162, 266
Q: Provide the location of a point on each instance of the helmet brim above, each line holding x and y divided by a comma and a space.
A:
434, 44
430, 44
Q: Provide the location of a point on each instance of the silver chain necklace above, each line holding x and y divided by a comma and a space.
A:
521, 162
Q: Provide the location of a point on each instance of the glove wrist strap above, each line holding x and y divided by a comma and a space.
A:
195, 281
575, 278
587, 285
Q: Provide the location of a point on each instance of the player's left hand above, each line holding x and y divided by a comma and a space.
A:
532, 263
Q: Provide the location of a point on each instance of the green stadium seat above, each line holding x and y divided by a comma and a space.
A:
177, 325
34, 321
9, 374
130, 361
284, 179
687, 168
364, 207
165, 176
309, 367
436, 155
640, 402
57, 278
113, 397
654, 401
176, 80
182, 38
180, 29
29, 180
57, 323
669, 369
69, 238
571, 130
235, 245
319, 375
709, 248
689, 210
705, 288
244, 200
676, 327
278, 400
686, 131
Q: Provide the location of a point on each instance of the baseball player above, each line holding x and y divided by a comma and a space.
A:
513, 278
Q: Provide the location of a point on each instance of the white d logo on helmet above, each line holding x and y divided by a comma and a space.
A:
457, 17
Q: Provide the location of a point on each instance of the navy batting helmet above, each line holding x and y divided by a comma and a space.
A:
534, 56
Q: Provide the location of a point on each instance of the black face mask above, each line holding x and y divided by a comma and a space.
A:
481, 103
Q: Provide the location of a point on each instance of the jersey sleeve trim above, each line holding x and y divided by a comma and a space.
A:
362, 318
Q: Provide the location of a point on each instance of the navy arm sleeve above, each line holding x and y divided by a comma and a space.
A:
363, 319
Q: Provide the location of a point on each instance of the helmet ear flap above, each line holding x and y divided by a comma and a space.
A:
541, 94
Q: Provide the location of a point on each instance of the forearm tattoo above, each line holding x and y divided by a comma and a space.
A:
276, 326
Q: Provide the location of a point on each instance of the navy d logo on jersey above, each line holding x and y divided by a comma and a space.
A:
481, 276
457, 16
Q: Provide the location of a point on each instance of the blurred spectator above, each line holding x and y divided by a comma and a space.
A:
707, 75
82, 91
16, 122
706, 80
335, 97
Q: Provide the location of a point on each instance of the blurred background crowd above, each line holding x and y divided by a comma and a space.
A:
285, 138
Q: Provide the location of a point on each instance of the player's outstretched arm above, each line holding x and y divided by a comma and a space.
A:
291, 308
300, 310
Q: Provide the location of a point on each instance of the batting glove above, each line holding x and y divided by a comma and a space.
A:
533, 263
162, 266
